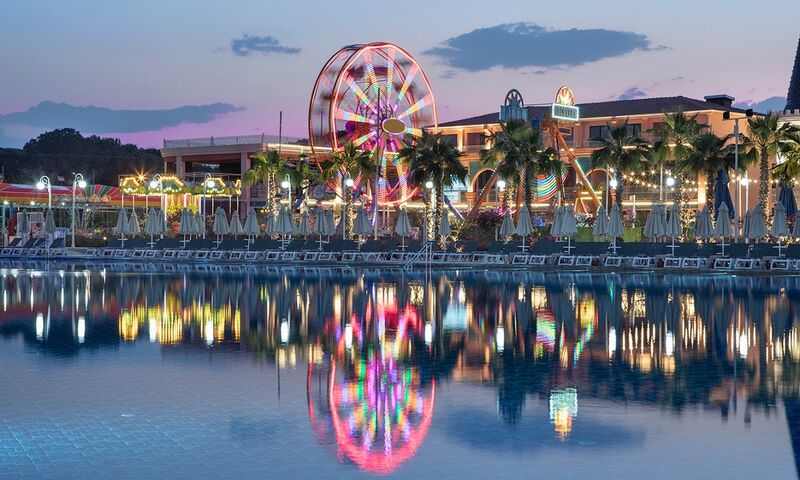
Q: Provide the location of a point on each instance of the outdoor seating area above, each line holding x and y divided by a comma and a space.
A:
314, 239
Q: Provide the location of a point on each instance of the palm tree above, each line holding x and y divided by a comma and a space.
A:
673, 143
349, 163
432, 158
302, 175
622, 151
264, 168
788, 172
518, 156
708, 155
768, 135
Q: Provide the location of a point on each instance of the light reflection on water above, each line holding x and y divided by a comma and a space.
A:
379, 351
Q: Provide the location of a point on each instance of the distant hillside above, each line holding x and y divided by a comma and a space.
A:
60, 153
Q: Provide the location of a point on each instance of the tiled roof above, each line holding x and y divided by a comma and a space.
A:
793, 96
613, 108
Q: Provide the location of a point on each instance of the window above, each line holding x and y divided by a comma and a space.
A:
634, 129
658, 126
475, 138
600, 131
450, 139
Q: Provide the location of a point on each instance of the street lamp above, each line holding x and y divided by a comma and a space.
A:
727, 116
670, 182
77, 182
156, 182
613, 183
5, 206
43, 183
209, 183
501, 185
287, 185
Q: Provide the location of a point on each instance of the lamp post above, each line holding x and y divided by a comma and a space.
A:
727, 116
43, 183
157, 183
5, 206
287, 185
501, 186
77, 182
348, 183
429, 212
212, 184
670, 181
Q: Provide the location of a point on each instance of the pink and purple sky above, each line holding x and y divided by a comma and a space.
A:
148, 70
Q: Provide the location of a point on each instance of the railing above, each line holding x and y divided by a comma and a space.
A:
426, 250
225, 141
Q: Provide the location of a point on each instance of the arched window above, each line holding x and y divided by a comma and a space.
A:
480, 182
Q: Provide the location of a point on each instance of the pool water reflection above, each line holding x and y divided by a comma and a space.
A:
363, 374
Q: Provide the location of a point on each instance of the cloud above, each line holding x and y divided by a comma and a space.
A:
631, 93
520, 45
771, 104
105, 120
265, 45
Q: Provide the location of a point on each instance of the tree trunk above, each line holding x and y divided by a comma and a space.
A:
348, 212
619, 192
763, 187
710, 192
437, 209
508, 196
526, 177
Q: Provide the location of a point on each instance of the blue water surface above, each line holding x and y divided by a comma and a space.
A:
362, 373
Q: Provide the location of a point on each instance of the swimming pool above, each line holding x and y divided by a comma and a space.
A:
357, 374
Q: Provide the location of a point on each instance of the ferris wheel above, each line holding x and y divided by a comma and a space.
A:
377, 97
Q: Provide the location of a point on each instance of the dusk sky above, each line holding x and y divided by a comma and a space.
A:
180, 69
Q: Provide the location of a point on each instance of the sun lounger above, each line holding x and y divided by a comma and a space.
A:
636, 255
493, 254
463, 253
586, 254
402, 255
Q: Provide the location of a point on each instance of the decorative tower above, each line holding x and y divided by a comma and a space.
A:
791, 112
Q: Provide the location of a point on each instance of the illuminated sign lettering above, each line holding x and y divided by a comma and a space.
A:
564, 107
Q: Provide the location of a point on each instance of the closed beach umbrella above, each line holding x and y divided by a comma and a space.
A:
569, 226
186, 225
524, 225
649, 224
49, 225
702, 228
403, 226
251, 227
779, 226
133, 223
748, 218
796, 228
555, 229
444, 225
235, 228
151, 223
271, 223
362, 226
24, 225
220, 225
320, 224
600, 227
786, 197
660, 224
758, 228
722, 195
122, 222
722, 229
507, 227
330, 228
285, 224
200, 224
615, 227
673, 227
304, 227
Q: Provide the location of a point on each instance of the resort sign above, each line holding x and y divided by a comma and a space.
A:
564, 107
